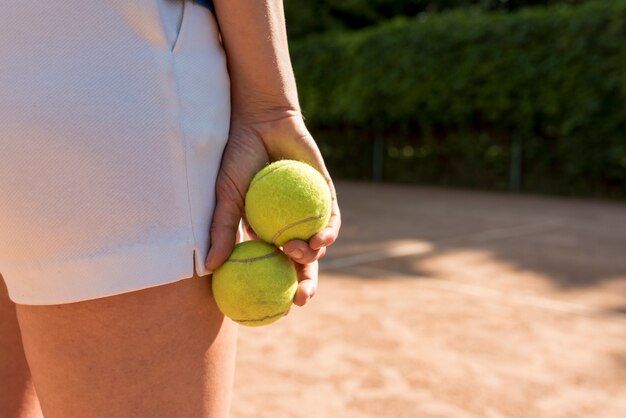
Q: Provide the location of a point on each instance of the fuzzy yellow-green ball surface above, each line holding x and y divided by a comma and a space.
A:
256, 285
287, 200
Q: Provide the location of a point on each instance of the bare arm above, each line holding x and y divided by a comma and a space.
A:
255, 41
266, 125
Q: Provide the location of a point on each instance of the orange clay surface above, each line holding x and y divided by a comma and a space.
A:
452, 304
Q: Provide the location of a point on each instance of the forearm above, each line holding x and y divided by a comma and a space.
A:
255, 41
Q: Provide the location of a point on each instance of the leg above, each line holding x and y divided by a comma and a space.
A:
17, 394
160, 352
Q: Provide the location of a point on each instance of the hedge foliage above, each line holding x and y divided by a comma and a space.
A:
309, 16
451, 93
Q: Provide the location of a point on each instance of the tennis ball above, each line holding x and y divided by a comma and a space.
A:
287, 200
256, 285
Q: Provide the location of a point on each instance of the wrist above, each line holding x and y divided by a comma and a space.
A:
276, 129
258, 113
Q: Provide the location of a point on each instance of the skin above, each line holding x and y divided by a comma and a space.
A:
267, 125
165, 351
17, 399
168, 350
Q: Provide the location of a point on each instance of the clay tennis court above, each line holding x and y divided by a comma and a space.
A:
447, 303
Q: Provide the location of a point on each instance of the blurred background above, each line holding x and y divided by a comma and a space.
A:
490, 94
479, 153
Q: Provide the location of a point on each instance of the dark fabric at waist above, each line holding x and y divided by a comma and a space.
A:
206, 3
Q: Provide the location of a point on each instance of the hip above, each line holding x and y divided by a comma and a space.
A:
90, 65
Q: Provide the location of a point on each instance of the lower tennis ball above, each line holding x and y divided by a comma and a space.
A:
256, 285
287, 200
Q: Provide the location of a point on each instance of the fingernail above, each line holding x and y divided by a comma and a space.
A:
306, 287
296, 254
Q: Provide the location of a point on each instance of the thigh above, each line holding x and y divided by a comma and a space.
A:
164, 351
17, 394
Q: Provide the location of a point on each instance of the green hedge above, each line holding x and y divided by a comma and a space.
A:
309, 16
450, 94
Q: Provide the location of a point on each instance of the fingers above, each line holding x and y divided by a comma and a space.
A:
307, 286
300, 252
225, 223
328, 235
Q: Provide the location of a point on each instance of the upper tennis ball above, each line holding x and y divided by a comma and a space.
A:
288, 200
256, 285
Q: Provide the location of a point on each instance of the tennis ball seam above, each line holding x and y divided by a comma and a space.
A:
253, 259
272, 170
296, 223
261, 319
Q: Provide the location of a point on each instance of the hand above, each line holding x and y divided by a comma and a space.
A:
250, 146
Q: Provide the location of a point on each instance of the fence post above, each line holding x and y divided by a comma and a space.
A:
378, 157
515, 174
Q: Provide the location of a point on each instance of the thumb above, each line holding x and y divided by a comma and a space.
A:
225, 223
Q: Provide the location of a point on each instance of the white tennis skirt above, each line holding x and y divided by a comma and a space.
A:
113, 118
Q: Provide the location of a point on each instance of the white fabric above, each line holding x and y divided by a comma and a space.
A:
113, 118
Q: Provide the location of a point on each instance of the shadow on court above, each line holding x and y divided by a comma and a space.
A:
450, 303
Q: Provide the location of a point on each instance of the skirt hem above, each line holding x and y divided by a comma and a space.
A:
100, 276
